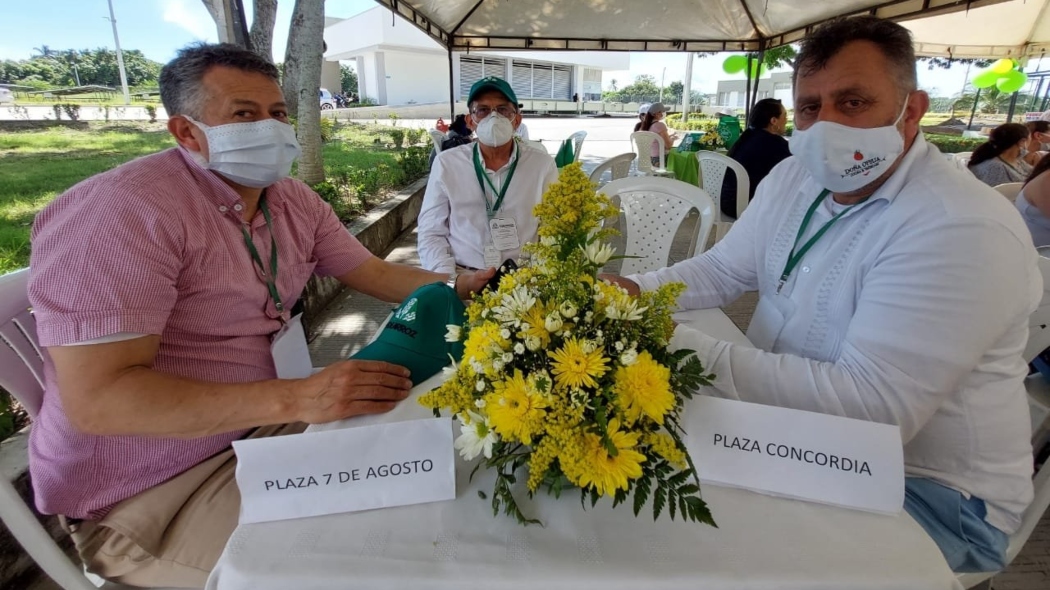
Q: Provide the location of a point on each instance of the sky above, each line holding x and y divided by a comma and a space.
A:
159, 27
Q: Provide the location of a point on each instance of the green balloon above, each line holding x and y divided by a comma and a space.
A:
1011, 81
734, 64
985, 79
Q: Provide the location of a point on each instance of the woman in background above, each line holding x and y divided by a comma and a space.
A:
1038, 141
1001, 159
654, 121
1034, 203
760, 148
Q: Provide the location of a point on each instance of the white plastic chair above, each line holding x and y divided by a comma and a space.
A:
577, 143
962, 160
713, 172
619, 167
22, 375
653, 210
437, 138
1009, 189
643, 144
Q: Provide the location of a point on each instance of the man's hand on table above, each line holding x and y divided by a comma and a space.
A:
350, 388
631, 286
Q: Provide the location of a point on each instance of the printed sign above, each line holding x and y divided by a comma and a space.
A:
803, 455
345, 470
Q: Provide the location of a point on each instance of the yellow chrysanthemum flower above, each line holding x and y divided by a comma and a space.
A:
482, 342
644, 388
533, 325
608, 473
572, 367
515, 409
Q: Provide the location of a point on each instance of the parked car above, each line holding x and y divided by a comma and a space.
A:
6, 97
327, 100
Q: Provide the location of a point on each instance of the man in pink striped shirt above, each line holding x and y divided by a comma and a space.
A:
157, 288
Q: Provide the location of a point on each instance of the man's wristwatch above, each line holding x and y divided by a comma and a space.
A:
451, 281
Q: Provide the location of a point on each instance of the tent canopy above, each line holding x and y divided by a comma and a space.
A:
656, 25
1016, 28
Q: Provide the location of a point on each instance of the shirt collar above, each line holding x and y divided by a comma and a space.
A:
513, 156
221, 194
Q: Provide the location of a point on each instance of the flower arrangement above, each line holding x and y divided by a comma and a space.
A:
712, 140
570, 376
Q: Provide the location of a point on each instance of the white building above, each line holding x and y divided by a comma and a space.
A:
397, 64
777, 85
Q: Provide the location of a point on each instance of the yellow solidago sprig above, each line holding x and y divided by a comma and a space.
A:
570, 377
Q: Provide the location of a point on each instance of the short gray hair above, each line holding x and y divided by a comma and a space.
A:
181, 87
828, 39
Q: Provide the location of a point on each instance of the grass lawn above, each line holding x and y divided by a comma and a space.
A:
36, 166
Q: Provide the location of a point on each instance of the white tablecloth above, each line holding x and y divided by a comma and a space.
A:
761, 542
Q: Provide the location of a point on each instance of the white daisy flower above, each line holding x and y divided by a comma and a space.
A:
476, 437
629, 357
552, 323
568, 309
519, 348
532, 343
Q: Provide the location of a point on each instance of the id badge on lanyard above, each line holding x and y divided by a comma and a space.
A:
291, 357
503, 230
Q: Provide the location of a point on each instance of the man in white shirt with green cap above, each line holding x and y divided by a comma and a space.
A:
477, 210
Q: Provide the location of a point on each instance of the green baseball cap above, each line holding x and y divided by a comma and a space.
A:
492, 83
414, 336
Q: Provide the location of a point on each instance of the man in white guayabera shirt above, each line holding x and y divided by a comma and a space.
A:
892, 289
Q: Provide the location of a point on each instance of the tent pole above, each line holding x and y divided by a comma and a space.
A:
1013, 107
747, 89
451, 89
973, 111
1046, 97
758, 77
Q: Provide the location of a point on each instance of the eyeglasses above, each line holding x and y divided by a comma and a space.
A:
481, 113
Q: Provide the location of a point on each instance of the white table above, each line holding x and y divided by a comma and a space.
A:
761, 542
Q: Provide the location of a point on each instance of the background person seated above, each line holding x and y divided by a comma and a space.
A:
759, 149
477, 209
1001, 159
1034, 203
1038, 141
654, 121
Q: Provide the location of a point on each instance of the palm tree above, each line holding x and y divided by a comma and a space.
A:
308, 52
43, 51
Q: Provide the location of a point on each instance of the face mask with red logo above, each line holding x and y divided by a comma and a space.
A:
846, 159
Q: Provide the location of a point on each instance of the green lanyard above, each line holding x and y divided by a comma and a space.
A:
269, 277
795, 257
483, 179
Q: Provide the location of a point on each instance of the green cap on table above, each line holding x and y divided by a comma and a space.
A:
414, 336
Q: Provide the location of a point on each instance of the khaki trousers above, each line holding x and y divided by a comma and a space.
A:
171, 534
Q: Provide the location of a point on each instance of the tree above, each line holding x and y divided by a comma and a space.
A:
290, 76
779, 56
264, 15
945, 63
43, 51
308, 51
348, 79
675, 91
217, 10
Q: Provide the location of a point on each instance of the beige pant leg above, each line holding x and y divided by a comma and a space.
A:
171, 534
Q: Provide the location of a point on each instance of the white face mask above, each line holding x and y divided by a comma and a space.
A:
255, 154
846, 159
495, 130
